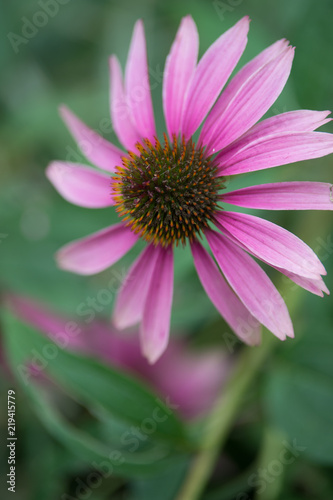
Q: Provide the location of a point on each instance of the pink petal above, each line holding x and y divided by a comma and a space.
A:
182, 374
284, 196
95, 148
237, 82
179, 374
303, 120
264, 57
272, 244
275, 126
131, 298
242, 106
61, 330
316, 286
313, 285
252, 285
276, 150
155, 326
179, 69
122, 122
224, 299
213, 70
98, 251
137, 85
80, 185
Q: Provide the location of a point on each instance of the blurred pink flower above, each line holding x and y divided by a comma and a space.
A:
171, 192
190, 380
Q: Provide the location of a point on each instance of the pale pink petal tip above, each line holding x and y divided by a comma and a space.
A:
276, 150
122, 120
225, 300
33, 313
210, 75
179, 69
80, 184
271, 243
155, 326
94, 147
284, 196
98, 251
275, 127
131, 297
247, 97
315, 286
252, 285
137, 86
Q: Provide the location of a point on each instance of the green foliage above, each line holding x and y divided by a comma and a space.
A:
83, 415
299, 390
100, 389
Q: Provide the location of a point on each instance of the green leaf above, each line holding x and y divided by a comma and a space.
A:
97, 454
300, 402
95, 384
101, 389
163, 486
299, 389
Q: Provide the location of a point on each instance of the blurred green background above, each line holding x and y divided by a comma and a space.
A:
66, 61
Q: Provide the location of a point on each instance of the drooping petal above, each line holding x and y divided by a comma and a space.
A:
276, 150
155, 326
80, 184
224, 299
303, 120
284, 196
122, 122
179, 69
132, 295
95, 148
96, 252
137, 85
252, 285
313, 285
183, 373
316, 286
64, 332
238, 81
213, 71
264, 57
242, 106
180, 374
272, 244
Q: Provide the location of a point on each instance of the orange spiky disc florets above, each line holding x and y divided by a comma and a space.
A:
167, 194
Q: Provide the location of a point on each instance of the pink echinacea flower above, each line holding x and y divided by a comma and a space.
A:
171, 192
190, 380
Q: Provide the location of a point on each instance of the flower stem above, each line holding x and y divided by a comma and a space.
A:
227, 405
222, 417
